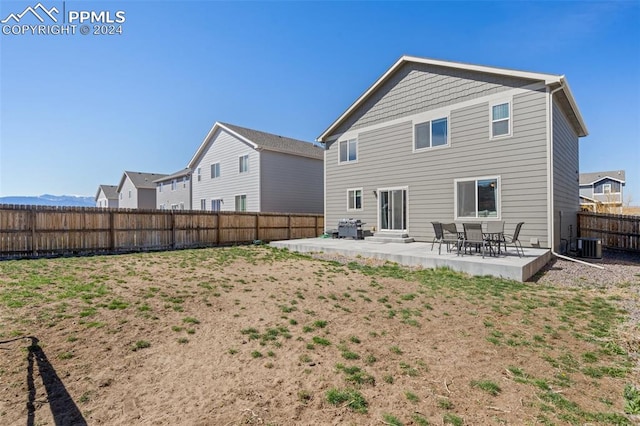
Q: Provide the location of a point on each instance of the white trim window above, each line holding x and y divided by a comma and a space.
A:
606, 188
160, 187
184, 181
477, 198
348, 151
216, 205
500, 119
244, 164
203, 204
199, 174
241, 203
215, 170
354, 199
431, 134
174, 184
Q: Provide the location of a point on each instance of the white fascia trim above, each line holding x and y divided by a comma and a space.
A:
547, 78
603, 178
574, 106
205, 142
443, 112
282, 151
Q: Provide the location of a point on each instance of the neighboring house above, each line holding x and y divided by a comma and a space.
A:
107, 196
137, 190
173, 192
602, 191
435, 140
239, 169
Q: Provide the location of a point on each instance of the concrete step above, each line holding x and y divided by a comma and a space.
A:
390, 237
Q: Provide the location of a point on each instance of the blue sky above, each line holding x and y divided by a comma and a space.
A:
75, 111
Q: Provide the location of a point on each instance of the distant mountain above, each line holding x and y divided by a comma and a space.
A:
51, 200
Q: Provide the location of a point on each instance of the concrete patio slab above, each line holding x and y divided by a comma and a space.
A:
508, 266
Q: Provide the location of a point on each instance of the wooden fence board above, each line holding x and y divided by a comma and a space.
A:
33, 231
616, 231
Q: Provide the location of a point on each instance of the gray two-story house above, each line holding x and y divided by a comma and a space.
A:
602, 191
240, 169
173, 192
137, 190
444, 141
107, 196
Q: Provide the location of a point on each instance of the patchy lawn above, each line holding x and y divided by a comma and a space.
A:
254, 335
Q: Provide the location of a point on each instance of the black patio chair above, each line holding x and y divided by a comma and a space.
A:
514, 240
450, 235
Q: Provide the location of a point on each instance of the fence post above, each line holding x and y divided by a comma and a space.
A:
33, 232
288, 227
315, 229
173, 230
257, 226
112, 231
217, 240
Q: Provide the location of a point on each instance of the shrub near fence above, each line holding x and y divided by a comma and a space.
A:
33, 231
615, 230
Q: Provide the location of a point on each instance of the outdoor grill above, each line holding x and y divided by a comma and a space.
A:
350, 228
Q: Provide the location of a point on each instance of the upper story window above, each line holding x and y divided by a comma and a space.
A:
431, 134
199, 174
129, 193
477, 198
160, 187
349, 151
184, 181
174, 184
215, 170
500, 119
244, 164
606, 188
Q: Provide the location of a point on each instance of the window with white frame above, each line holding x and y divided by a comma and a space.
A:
174, 184
354, 201
160, 187
431, 134
215, 170
606, 188
184, 181
241, 203
477, 198
244, 164
203, 204
216, 205
199, 174
129, 193
500, 119
349, 151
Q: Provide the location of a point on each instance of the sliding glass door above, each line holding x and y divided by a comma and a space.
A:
392, 209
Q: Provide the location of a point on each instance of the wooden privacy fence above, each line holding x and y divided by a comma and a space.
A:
615, 230
33, 231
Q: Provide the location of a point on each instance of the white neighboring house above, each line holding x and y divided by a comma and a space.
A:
107, 196
137, 190
240, 169
173, 192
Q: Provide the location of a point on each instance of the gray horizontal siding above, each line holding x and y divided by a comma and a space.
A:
421, 87
291, 184
226, 149
386, 159
565, 177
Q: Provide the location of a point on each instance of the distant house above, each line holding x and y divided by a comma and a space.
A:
137, 190
240, 169
435, 140
602, 191
173, 192
107, 196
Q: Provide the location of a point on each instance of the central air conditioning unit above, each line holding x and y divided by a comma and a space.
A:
590, 248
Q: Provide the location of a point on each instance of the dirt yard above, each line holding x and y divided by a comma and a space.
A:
253, 335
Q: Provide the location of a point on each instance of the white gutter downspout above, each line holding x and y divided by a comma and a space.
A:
550, 213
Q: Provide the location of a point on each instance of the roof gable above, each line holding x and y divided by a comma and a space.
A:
110, 192
259, 140
140, 180
437, 67
595, 177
